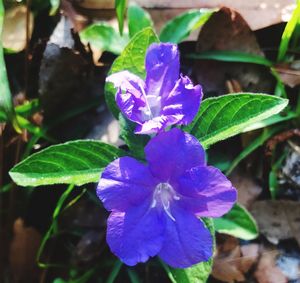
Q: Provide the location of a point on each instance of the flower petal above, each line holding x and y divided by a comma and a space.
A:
184, 100
130, 96
131, 106
135, 235
187, 241
162, 67
171, 153
206, 192
124, 183
126, 81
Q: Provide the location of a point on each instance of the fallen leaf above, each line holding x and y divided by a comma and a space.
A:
89, 248
226, 267
289, 76
227, 30
291, 167
278, 219
248, 189
267, 271
14, 28
231, 261
23, 250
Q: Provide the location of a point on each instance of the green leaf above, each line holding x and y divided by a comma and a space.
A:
28, 108
277, 118
238, 222
197, 273
54, 7
3, 116
131, 59
136, 143
225, 116
6, 103
103, 37
138, 19
76, 162
287, 33
181, 26
231, 56
120, 6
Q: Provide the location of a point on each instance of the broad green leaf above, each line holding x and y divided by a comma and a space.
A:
225, 116
232, 56
131, 59
76, 162
138, 19
281, 117
287, 33
6, 103
136, 143
238, 222
103, 37
197, 273
120, 6
181, 26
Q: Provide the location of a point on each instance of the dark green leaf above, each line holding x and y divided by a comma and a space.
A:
103, 37
3, 116
77, 162
131, 59
180, 27
197, 273
136, 143
231, 56
238, 222
120, 6
225, 116
138, 19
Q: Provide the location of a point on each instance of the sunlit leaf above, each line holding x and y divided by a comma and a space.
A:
77, 162
225, 116
238, 222
181, 26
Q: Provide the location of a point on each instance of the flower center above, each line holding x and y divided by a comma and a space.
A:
163, 195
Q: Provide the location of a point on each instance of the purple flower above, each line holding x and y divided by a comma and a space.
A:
164, 98
155, 206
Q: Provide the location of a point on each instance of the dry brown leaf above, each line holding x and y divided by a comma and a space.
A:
226, 267
289, 76
278, 219
232, 262
227, 30
14, 28
23, 252
250, 255
267, 271
248, 189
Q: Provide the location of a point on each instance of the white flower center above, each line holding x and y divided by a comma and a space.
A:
152, 107
163, 195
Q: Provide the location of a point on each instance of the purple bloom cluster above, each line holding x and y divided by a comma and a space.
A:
155, 206
164, 98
